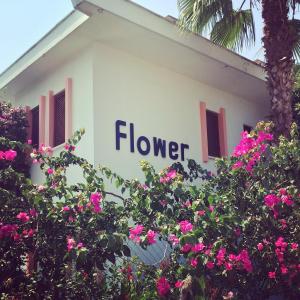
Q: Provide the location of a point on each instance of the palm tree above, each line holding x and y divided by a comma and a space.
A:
231, 24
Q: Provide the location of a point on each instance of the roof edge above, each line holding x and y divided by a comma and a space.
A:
44, 44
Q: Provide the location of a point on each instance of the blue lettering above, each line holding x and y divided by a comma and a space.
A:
159, 146
183, 147
139, 146
173, 148
119, 135
131, 137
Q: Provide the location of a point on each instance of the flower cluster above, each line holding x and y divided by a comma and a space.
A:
168, 177
95, 200
9, 155
252, 147
71, 244
135, 234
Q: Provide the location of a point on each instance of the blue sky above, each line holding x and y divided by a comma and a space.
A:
23, 23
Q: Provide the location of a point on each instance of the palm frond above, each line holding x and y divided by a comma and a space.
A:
295, 26
235, 31
228, 27
200, 15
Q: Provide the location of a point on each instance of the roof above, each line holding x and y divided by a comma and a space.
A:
130, 27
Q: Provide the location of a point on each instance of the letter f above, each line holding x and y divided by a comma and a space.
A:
119, 135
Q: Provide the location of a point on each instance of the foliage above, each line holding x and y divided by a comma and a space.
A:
233, 235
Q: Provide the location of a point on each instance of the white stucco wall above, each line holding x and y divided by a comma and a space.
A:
79, 68
160, 103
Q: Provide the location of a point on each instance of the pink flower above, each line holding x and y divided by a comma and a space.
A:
23, 217
79, 245
260, 246
228, 266
194, 262
283, 223
211, 208
294, 246
95, 200
198, 247
271, 200
7, 230
179, 284
201, 213
230, 295
10, 154
284, 269
281, 243
151, 237
29, 142
50, 171
221, 256
33, 212
282, 191
186, 248
163, 286
137, 230
272, 275
70, 243
66, 208
287, 199
134, 233
174, 239
168, 177
41, 188
185, 226
237, 165
210, 265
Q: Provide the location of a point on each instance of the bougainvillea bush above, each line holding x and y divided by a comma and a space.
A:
233, 234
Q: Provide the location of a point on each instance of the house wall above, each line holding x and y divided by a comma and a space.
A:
160, 103
79, 68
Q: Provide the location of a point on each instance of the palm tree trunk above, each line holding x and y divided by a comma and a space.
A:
278, 42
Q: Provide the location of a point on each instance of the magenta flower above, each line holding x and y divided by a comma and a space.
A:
210, 265
271, 200
198, 247
237, 165
185, 226
179, 284
194, 262
23, 217
174, 239
10, 154
70, 243
163, 286
260, 246
201, 213
79, 245
151, 237
134, 233
95, 200
272, 275
228, 266
294, 246
66, 208
186, 248
50, 171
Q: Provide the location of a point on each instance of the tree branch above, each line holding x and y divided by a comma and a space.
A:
115, 195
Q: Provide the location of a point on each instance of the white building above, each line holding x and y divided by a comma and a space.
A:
141, 88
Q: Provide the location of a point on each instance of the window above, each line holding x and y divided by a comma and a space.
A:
35, 127
213, 138
247, 128
59, 119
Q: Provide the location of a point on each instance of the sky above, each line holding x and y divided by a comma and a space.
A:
23, 23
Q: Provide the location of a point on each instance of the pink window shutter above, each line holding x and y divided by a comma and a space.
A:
223, 132
203, 124
50, 122
42, 119
68, 108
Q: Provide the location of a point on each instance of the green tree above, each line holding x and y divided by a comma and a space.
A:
231, 24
